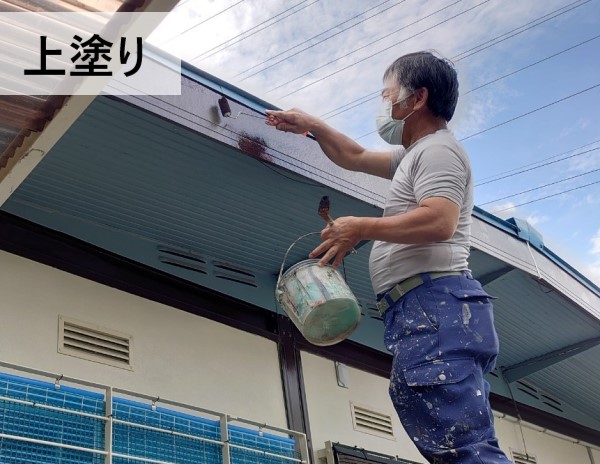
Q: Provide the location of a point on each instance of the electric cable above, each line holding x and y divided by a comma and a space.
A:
229, 42
512, 119
320, 41
532, 64
480, 48
374, 95
378, 52
201, 22
548, 196
509, 34
540, 187
530, 112
521, 169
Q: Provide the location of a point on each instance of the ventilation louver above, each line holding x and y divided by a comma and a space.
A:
228, 271
88, 341
522, 458
183, 258
372, 422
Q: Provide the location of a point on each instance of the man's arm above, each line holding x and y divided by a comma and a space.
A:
339, 148
434, 220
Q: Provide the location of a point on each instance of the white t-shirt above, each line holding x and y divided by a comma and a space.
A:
434, 166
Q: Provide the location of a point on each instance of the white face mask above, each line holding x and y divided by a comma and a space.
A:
390, 129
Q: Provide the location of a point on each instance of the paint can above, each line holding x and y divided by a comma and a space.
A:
318, 301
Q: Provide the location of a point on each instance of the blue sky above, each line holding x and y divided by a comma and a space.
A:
226, 38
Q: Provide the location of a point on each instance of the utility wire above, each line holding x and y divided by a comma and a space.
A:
548, 196
530, 112
228, 43
511, 119
371, 43
201, 22
539, 187
320, 41
525, 27
566, 8
521, 169
373, 95
532, 64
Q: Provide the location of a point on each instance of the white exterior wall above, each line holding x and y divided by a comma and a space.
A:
175, 355
190, 359
331, 420
329, 409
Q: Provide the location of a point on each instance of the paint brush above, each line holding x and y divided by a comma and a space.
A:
324, 210
324, 213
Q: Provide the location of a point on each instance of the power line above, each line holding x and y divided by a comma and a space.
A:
536, 165
228, 43
512, 119
201, 22
547, 196
540, 187
567, 8
530, 112
320, 41
371, 43
480, 47
514, 32
532, 64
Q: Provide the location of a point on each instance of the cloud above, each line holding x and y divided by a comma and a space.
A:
447, 31
504, 210
534, 219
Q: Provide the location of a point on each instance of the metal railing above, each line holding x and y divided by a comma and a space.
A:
224, 420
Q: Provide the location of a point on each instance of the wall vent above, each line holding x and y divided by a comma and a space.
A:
522, 458
528, 389
233, 273
183, 259
372, 422
88, 341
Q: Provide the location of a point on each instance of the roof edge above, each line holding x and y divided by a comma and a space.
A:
245, 98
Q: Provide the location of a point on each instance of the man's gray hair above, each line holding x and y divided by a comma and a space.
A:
437, 75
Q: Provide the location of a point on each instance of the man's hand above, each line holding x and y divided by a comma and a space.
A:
339, 238
294, 120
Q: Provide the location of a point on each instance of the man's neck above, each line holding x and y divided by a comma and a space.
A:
424, 128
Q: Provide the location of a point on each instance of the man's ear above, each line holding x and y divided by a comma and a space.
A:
421, 96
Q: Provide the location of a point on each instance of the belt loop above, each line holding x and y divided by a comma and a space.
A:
427, 279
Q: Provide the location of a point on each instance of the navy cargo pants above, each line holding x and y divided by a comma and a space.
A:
443, 340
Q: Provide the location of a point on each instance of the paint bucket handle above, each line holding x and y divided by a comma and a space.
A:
288, 251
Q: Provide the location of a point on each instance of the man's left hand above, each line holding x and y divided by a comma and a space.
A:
339, 238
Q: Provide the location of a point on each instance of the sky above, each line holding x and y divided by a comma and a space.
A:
529, 80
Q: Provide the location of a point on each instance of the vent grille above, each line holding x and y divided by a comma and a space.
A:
372, 422
183, 259
528, 389
522, 458
87, 341
228, 271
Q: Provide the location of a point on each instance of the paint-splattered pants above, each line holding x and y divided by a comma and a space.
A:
443, 340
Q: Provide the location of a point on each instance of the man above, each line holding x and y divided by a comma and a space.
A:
438, 319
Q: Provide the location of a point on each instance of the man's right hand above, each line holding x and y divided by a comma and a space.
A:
294, 120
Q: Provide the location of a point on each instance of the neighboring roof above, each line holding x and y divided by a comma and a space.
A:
170, 183
21, 115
